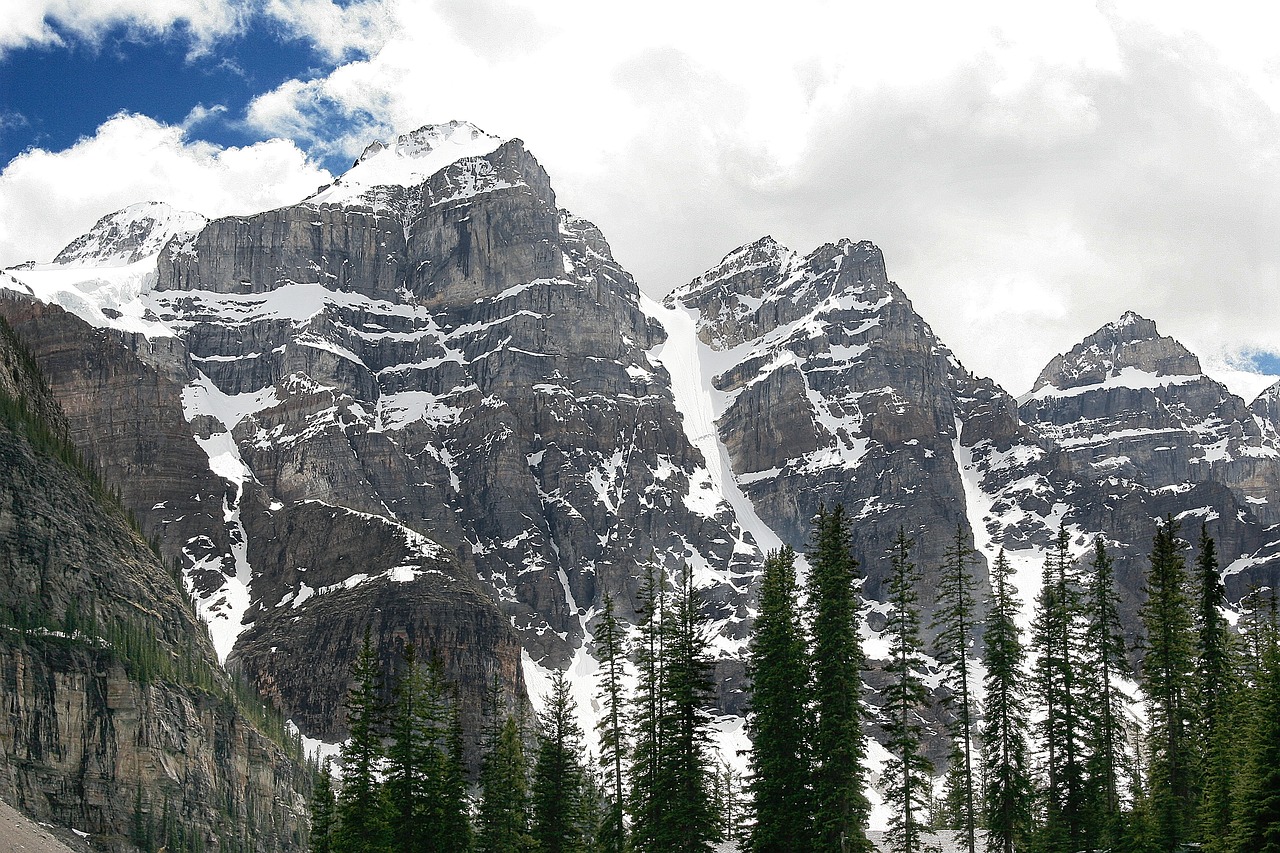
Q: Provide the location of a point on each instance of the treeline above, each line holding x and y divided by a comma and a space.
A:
655, 785
1054, 760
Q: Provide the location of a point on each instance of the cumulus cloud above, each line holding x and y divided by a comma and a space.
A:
1031, 170
25, 23
49, 198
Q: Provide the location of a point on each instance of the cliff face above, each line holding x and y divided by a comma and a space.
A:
113, 714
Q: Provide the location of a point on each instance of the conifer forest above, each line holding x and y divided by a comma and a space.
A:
1058, 743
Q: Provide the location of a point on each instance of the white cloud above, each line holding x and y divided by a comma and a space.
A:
1028, 179
1031, 170
26, 23
49, 198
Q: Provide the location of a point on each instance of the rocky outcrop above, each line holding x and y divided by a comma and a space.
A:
114, 717
833, 390
1131, 404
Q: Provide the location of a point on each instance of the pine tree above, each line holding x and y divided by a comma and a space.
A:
1004, 731
557, 791
646, 714
455, 834
839, 745
954, 622
1256, 822
1056, 639
906, 777
1105, 663
362, 809
322, 811
1167, 679
503, 818
412, 757
1214, 685
687, 820
613, 740
778, 723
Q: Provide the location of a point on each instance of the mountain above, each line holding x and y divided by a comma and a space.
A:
428, 404
422, 408
116, 717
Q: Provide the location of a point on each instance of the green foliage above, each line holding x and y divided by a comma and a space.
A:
1057, 637
1167, 667
837, 661
1007, 809
781, 796
613, 741
503, 815
362, 807
954, 622
1105, 663
323, 811
558, 794
907, 774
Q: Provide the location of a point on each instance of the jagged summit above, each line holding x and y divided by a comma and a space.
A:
767, 270
127, 236
1129, 352
409, 160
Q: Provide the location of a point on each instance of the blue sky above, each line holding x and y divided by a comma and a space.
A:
52, 95
1031, 171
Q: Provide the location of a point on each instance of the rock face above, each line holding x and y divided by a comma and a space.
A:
427, 403
831, 389
113, 713
428, 360
1129, 403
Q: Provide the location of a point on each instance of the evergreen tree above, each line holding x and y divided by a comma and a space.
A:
1167, 679
687, 820
778, 723
1256, 822
906, 777
1004, 731
503, 818
1215, 686
1056, 638
954, 622
412, 756
840, 805
613, 741
646, 714
322, 811
1105, 663
362, 809
557, 793
454, 821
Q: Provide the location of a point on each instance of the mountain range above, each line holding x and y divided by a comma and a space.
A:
428, 404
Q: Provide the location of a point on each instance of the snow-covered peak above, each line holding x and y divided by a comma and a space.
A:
128, 236
410, 160
1128, 351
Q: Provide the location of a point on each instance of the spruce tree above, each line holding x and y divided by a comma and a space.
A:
778, 722
362, 808
686, 818
954, 622
1256, 822
412, 756
1105, 663
840, 804
322, 811
646, 714
1009, 790
455, 822
1212, 682
613, 740
557, 790
906, 778
1056, 639
1167, 680
503, 814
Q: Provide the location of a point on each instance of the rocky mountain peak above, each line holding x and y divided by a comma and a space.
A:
1130, 348
1267, 404
409, 160
127, 236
